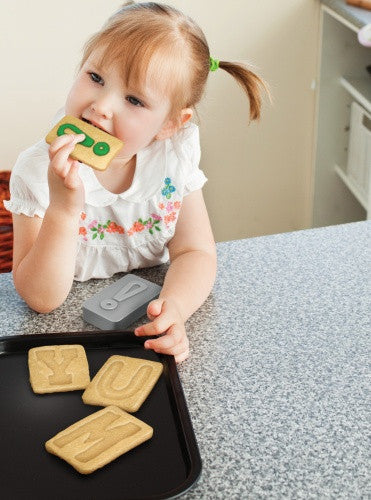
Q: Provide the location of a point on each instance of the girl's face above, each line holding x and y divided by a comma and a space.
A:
137, 118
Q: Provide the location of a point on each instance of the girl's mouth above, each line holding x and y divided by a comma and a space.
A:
90, 123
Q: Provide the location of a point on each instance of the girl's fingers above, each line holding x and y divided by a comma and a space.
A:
160, 325
59, 164
62, 141
174, 341
72, 179
180, 353
182, 357
154, 308
173, 338
175, 351
59, 160
59, 143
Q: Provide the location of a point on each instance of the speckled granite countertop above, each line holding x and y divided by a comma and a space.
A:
355, 15
276, 384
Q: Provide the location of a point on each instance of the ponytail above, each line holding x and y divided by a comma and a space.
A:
251, 83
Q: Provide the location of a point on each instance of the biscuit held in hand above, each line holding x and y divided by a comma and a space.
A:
98, 148
98, 439
124, 382
58, 368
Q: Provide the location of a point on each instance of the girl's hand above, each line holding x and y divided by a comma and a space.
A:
65, 187
165, 319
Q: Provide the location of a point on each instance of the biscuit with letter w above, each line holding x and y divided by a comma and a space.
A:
96, 150
98, 439
124, 382
58, 368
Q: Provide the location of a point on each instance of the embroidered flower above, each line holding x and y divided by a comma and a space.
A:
150, 224
171, 208
112, 227
138, 226
168, 189
170, 218
83, 232
83, 215
99, 229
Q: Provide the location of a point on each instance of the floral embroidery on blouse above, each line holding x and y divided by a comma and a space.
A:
170, 208
150, 224
168, 189
98, 229
167, 216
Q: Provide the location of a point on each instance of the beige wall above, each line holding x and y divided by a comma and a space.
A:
259, 176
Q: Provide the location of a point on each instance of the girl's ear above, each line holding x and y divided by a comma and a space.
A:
171, 126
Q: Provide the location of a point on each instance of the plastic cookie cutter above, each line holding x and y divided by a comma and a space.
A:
128, 290
100, 148
119, 305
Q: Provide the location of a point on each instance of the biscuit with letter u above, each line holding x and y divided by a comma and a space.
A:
124, 382
96, 150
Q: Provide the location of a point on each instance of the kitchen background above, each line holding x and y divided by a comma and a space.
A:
261, 176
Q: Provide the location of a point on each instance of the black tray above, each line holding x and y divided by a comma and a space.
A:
163, 467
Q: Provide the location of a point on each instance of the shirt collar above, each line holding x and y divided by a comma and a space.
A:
149, 174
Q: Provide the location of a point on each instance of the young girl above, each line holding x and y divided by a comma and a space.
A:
139, 80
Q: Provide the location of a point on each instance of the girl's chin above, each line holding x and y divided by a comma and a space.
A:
123, 160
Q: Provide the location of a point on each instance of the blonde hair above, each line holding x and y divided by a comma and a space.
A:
156, 41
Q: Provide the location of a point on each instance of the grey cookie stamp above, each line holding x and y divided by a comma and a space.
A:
120, 304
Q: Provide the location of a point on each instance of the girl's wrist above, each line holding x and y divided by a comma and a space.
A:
65, 213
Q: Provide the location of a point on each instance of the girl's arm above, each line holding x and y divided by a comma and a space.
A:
45, 249
192, 270
44, 258
188, 282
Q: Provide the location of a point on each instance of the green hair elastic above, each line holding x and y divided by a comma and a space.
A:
214, 64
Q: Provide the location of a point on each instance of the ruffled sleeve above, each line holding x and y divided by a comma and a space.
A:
29, 191
194, 178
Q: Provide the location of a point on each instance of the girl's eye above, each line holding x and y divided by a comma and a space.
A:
96, 78
134, 101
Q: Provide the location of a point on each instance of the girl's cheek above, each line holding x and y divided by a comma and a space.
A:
75, 98
70, 102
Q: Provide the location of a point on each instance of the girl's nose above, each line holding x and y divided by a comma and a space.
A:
102, 108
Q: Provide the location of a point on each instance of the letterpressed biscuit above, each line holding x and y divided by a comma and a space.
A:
58, 368
124, 382
98, 439
97, 149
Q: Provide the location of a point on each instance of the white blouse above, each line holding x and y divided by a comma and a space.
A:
118, 232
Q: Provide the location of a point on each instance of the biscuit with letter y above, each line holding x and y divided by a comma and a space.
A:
58, 368
124, 382
98, 439
96, 150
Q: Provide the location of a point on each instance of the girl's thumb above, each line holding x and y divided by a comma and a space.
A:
154, 308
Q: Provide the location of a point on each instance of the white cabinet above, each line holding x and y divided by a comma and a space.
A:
343, 151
